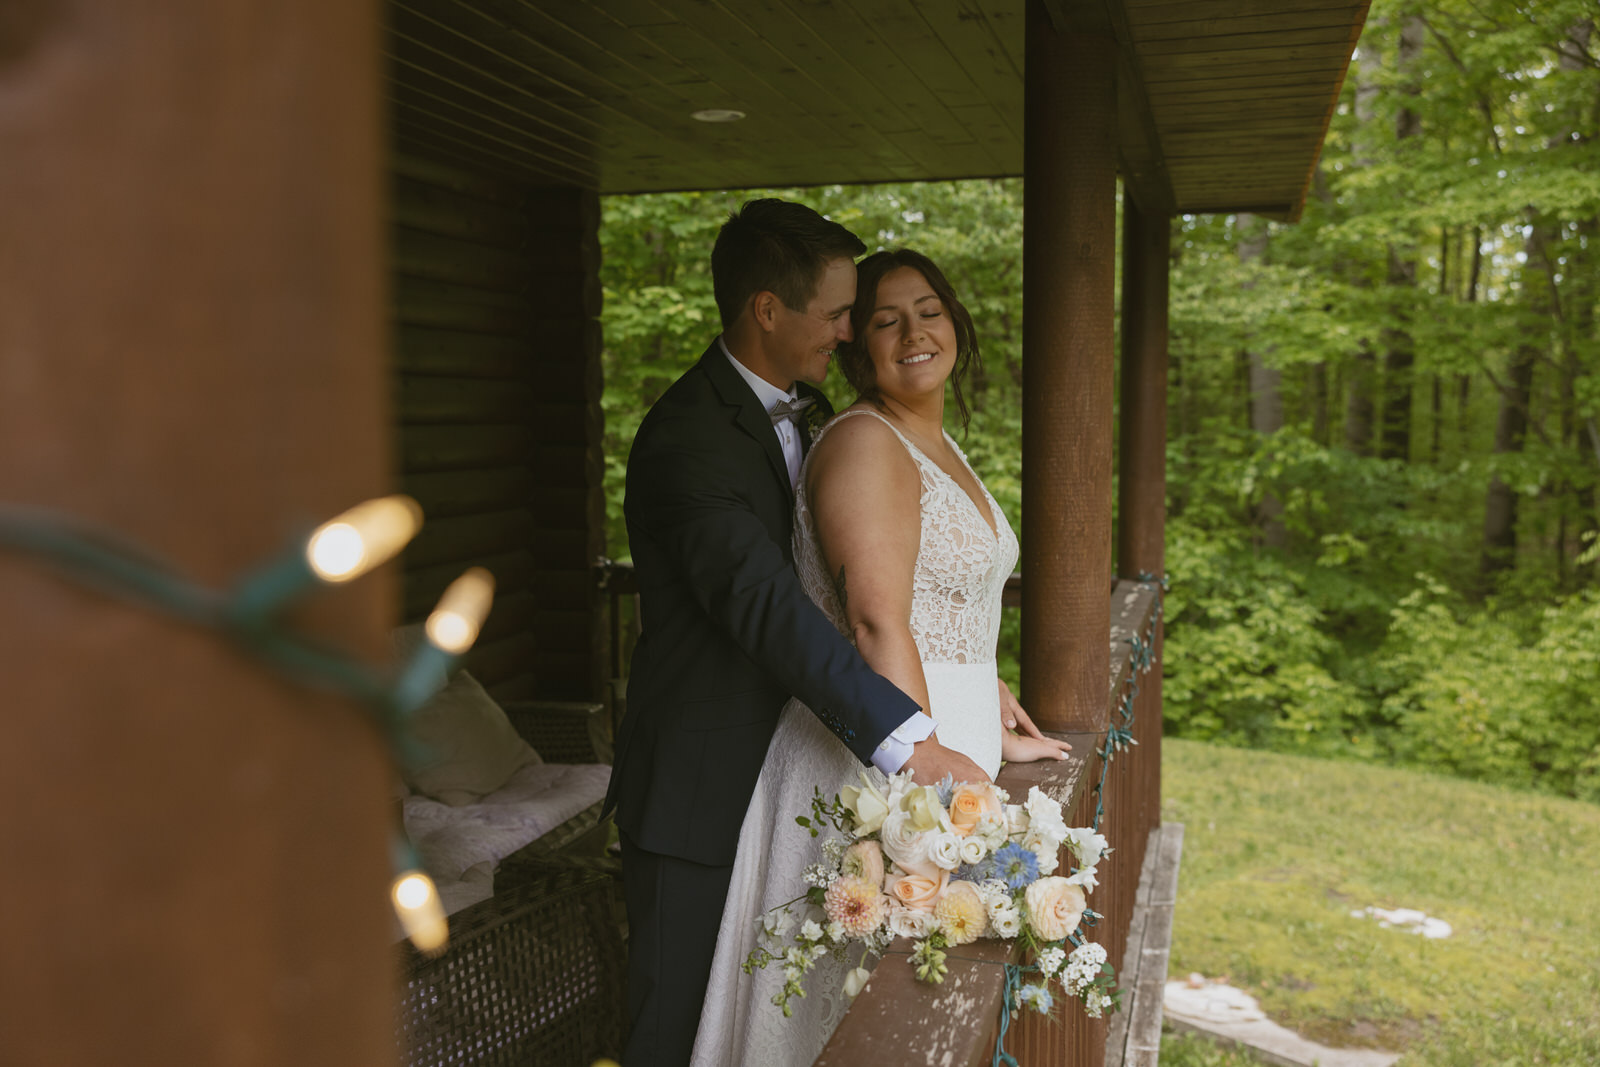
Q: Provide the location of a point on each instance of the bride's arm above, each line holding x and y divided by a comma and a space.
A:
865, 496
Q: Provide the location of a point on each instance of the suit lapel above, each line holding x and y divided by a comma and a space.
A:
748, 413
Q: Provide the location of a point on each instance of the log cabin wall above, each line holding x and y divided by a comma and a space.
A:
496, 303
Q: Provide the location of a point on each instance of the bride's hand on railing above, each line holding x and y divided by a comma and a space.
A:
1028, 744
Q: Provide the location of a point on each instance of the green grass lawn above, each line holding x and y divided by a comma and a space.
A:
1278, 850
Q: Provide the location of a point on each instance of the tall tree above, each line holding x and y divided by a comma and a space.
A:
1399, 349
1265, 380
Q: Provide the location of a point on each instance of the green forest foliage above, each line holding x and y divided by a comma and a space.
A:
1369, 558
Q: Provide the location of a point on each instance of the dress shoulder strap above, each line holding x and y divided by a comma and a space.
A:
916, 453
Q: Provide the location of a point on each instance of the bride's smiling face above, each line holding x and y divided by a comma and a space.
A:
910, 338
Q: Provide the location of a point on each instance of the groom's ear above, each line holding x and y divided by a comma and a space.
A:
764, 309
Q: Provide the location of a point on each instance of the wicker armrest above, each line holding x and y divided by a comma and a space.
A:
563, 731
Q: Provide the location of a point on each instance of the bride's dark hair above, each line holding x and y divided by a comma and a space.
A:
853, 357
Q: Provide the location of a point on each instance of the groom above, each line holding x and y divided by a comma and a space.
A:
728, 634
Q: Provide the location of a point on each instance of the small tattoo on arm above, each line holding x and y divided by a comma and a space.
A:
844, 597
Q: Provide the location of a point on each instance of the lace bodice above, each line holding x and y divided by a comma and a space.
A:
961, 568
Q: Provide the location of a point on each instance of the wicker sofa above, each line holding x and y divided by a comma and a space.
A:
533, 975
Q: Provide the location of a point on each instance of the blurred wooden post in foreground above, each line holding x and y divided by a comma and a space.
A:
191, 355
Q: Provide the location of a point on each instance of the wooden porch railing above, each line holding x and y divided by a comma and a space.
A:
895, 1021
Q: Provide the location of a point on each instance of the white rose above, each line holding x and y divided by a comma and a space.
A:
906, 846
973, 849
855, 981
909, 922
944, 850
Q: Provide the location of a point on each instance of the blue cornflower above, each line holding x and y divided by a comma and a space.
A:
1036, 997
1016, 865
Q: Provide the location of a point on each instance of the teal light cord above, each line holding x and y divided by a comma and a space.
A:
250, 615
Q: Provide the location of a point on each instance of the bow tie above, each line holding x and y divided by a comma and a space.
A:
788, 409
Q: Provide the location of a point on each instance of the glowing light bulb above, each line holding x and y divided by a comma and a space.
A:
351, 544
416, 903
455, 622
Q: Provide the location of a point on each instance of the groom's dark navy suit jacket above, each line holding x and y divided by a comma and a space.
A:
728, 633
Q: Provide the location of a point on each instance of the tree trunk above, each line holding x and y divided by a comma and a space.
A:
1266, 384
1361, 382
1399, 350
1436, 409
1317, 388
1359, 404
1582, 325
1511, 427
1464, 383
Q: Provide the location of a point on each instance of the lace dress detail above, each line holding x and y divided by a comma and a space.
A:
961, 570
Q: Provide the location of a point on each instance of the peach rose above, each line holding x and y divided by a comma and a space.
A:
1055, 907
919, 891
971, 803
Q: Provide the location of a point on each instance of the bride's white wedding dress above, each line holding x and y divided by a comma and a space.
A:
961, 570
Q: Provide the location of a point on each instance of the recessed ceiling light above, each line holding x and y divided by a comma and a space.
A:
717, 114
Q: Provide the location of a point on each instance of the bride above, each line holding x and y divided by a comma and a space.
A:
899, 543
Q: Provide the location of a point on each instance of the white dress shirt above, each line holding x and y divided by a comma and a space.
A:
891, 755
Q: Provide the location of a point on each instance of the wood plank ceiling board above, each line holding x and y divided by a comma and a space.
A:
1215, 94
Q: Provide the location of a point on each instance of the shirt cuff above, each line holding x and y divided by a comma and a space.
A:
890, 756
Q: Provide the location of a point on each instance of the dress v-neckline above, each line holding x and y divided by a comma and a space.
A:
992, 522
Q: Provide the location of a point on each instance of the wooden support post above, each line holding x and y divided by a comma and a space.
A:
1069, 264
1142, 455
191, 355
1142, 488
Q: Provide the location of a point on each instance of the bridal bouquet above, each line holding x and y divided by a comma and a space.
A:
942, 865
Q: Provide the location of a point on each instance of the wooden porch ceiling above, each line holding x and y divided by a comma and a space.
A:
1223, 107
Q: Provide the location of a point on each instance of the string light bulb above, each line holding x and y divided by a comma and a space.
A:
417, 904
352, 543
454, 624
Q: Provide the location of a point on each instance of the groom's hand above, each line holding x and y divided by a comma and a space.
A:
932, 761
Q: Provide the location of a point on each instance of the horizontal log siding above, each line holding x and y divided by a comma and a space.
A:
496, 306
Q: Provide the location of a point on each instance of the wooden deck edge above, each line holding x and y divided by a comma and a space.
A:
1134, 1038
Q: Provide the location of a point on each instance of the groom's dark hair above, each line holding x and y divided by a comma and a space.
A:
775, 246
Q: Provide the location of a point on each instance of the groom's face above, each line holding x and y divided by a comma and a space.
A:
805, 340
